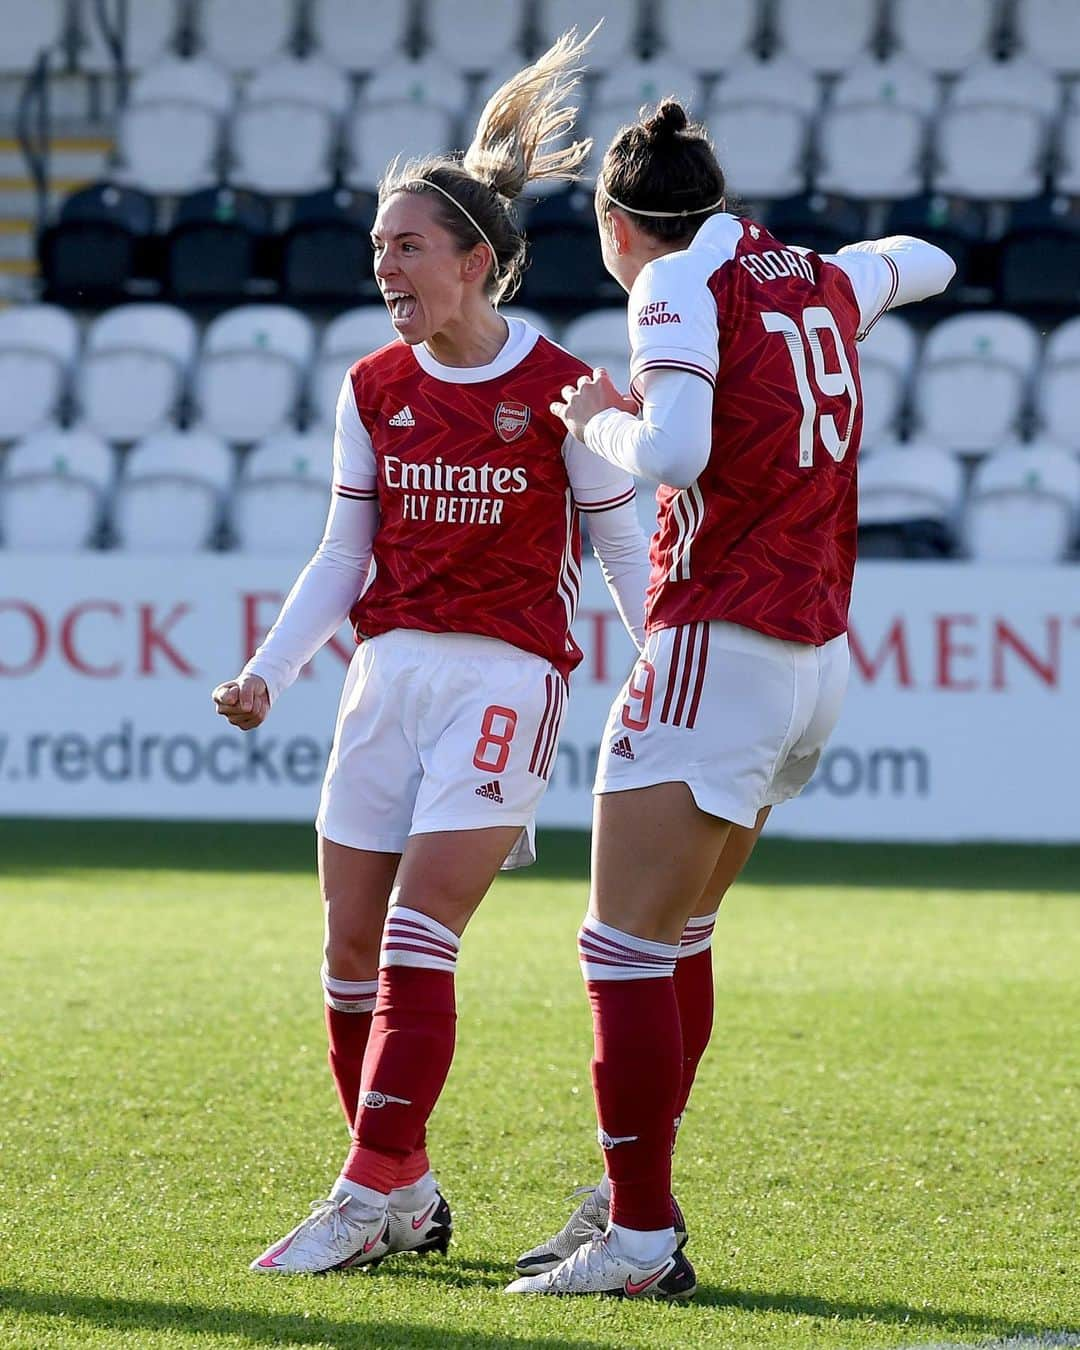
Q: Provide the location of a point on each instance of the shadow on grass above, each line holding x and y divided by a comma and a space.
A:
38, 848
265, 1328
807, 1305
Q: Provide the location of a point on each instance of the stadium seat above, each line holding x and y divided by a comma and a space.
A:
1058, 394
282, 147
342, 36
896, 82
52, 488
27, 30
872, 150
1016, 83
244, 34
99, 246
377, 134
1040, 254
216, 246
253, 364
828, 35
705, 35
475, 35
170, 146
909, 497
886, 360
177, 79
170, 495
991, 151
326, 252
817, 221
636, 83
1023, 505
781, 81
973, 380
134, 369
151, 30
1049, 32
283, 491
959, 225
427, 83
617, 39
309, 80
38, 346
600, 339
345, 340
566, 268
943, 37
761, 147
1067, 177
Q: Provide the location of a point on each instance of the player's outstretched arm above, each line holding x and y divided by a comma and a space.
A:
895, 271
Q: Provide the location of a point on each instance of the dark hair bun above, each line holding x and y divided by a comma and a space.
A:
666, 122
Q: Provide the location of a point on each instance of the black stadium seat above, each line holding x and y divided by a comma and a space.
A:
1040, 254
908, 539
816, 220
326, 252
100, 247
565, 268
219, 245
959, 225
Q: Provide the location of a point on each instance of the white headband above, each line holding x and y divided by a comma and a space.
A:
672, 215
468, 216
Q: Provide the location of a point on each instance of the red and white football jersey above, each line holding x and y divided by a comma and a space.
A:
479, 489
765, 537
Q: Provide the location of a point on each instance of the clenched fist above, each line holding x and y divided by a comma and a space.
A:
245, 702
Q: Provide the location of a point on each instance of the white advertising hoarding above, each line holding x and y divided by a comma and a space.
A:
961, 720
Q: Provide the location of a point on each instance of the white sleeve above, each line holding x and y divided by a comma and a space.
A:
889, 272
671, 441
606, 495
327, 588
672, 320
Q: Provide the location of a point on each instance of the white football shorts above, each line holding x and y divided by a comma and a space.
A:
739, 717
440, 731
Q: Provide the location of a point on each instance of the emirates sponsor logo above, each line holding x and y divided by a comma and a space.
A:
511, 419
492, 791
623, 748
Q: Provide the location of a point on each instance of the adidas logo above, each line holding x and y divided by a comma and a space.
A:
492, 791
403, 418
623, 748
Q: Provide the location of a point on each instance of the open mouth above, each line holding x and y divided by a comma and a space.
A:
402, 305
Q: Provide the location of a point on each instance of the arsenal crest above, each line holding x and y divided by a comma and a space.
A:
511, 419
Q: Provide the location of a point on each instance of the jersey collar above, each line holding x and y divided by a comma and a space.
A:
519, 343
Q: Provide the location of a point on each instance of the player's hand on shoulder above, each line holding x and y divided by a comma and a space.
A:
591, 395
244, 702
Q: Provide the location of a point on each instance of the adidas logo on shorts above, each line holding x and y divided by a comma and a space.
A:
623, 748
403, 418
492, 791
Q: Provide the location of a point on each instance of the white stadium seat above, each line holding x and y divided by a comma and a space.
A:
151, 29
38, 345
134, 369
345, 340
1023, 505
25, 29
244, 34
1018, 83
52, 488
184, 80
897, 82
426, 83
283, 492
1067, 178
904, 482
871, 150
705, 35
646, 82
762, 148
990, 151
283, 146
475, 35
1058, 397
168, 147
943, 37
360, 42
311, 80
600, 338
375, 135
828, 35
886, 359
973, 380
616, 39
170, 495
781, 81
253, 364
1049, 31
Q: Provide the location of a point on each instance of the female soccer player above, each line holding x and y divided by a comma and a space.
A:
743, 359
456, 481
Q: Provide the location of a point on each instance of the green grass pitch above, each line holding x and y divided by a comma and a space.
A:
881, 1150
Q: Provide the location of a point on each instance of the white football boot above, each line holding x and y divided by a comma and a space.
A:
421, 1230
588, 1221
594, 1268
340, 1233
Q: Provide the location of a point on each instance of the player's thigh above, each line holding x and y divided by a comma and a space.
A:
733, 858
831, 664
653, 851
356, 885
445, 874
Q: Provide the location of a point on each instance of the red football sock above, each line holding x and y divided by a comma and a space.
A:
694, 994
349, 1005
